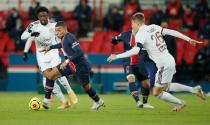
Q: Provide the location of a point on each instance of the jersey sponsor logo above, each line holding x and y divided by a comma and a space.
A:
45, 43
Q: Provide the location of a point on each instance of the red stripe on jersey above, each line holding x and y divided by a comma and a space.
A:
72, 66
133, 59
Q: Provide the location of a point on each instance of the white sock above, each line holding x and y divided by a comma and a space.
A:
58, 93
64, 82
169, 98
176, 87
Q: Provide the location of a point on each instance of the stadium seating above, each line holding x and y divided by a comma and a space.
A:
175, 24
107, 46
97, 42
67, 14
23, 14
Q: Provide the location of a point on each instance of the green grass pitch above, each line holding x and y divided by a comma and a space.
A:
120, 110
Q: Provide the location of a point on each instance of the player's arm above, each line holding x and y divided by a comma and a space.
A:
27, 47
28, 44
76, 48
56, 46
177, 34
117, 39
134, 51
29, 32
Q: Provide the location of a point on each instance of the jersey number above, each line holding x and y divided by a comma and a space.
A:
160, 43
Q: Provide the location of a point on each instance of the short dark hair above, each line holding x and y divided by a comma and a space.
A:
138, 16
60, 23
41, 9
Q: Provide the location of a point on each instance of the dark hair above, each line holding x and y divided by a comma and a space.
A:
41, 9
138, 16
60, 23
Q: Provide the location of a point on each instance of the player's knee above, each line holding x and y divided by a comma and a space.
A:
86, 87
146, 83
157, 91
50, 77
131, 79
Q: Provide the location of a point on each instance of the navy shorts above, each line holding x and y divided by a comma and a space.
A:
66, 72
83, 77
139, 70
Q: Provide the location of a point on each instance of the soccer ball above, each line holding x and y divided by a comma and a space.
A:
35, 103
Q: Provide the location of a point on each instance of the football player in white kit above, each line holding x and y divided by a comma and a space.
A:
42, 31
150, 37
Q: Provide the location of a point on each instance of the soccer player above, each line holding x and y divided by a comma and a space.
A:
76, 63
43, 31
135, 67
64, 82
150, 37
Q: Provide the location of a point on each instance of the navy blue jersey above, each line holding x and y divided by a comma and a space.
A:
74, 52
124, 37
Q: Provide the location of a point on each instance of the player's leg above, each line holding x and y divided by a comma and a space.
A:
84, 80
58, 93
164, 76
132, 86
45, 67
134, 90
176, 87
64, 82
52, 73
141, 73
56, 72
56, 61
48, 91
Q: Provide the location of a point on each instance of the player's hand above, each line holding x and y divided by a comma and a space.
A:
63, 65
25, 57
111, 58
114, 41
35, 34
194, 42
45, 50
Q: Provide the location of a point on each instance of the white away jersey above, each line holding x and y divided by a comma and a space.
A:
150, 36
45, 39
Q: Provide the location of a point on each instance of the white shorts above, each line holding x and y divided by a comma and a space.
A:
165, 72
49, 64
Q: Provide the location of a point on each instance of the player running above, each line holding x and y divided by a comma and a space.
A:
43, 32
135, 67
75, 56
63, 81
150, 37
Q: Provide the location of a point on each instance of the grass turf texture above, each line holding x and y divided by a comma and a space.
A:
120, 109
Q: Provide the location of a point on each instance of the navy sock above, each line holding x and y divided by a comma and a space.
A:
145, 94
134, 91
49, 88
92, 94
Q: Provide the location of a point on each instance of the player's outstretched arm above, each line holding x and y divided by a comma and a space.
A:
131, 52
26, 48
28, 44
180, 35
56, 46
